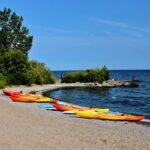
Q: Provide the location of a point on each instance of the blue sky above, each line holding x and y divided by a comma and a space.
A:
81, 34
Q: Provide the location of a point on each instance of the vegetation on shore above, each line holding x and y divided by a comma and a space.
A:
15, 43
15, 66
91, 75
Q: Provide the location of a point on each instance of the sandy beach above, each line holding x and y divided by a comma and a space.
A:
27, 127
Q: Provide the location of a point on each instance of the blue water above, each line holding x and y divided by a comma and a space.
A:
125, 100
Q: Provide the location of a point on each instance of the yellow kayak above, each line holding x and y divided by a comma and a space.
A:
98, 115
44, 100
102, 110
87, 114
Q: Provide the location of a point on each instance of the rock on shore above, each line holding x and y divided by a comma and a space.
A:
114, 83
120, 83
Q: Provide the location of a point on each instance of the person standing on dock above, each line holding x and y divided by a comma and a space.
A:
133, 78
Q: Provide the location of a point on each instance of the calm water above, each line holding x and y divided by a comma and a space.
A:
125, 100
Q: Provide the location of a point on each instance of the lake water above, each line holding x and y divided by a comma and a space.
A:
124, 100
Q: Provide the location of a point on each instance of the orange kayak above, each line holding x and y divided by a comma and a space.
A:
33, 99
72, 108
63, 107
27, 95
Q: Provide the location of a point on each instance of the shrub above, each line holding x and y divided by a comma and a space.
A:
90, 75
19, 70
42, 75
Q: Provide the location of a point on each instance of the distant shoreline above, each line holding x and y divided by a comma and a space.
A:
41, 88
108, 69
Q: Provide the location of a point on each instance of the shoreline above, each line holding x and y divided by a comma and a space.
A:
27, 127
106, 84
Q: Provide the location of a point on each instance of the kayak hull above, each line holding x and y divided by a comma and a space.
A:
10, 93
72, 107
97, 115
33, 99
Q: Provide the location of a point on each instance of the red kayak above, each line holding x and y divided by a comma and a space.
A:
18, 94
62, 107
10, 93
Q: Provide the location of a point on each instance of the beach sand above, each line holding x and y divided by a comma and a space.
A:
26, 127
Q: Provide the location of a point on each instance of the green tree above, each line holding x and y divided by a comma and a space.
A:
105, 73
13, 35
15, 42
17, 68
2, 81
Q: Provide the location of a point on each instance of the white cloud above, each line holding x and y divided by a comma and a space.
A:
121, 25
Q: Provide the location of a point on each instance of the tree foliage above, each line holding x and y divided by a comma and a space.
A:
90, 75
3, 81
18, 70
15, 67
42, 75
13, 35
